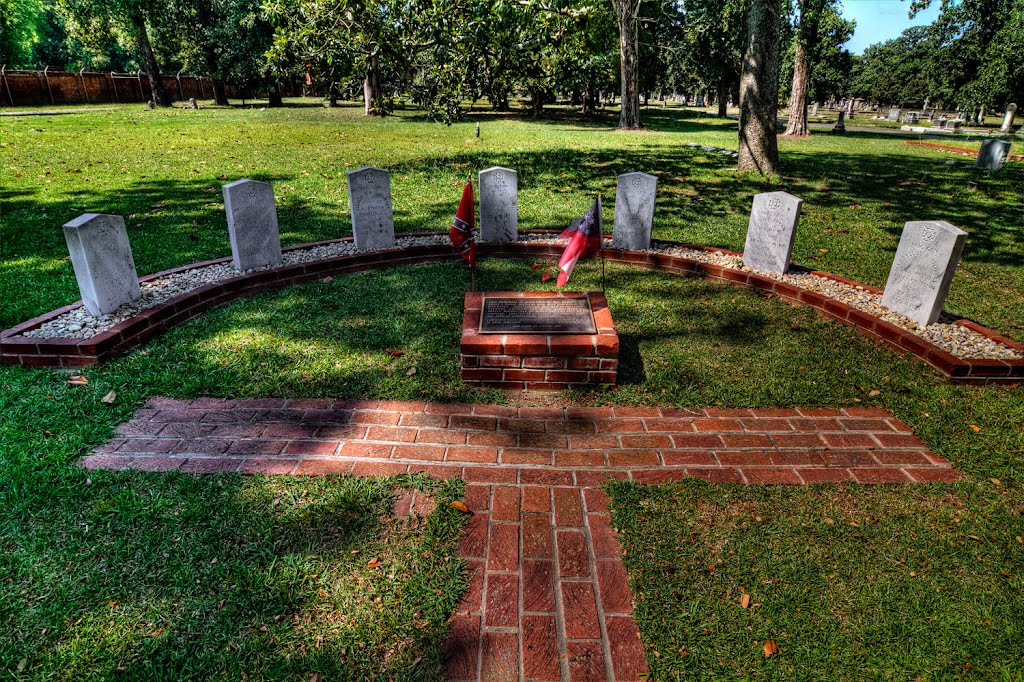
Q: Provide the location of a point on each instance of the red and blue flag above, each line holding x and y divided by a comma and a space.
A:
586, 238
461, 233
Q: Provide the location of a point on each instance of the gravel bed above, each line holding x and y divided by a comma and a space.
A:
961, 342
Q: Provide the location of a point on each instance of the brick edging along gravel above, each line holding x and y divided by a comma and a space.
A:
16, 349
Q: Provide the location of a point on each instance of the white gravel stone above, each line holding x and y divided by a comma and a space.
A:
960, 341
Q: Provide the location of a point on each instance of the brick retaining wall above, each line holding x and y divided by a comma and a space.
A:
54, 352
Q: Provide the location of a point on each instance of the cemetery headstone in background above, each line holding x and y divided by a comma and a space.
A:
923, 268
992, 155
634, 211
499, 205
840, 126
252, 224
103, 263
771, 232
369, 193
1011, 113
894, 114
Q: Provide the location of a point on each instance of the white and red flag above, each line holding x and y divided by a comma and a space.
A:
461, 233
586, 237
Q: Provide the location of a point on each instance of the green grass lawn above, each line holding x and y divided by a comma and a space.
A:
119, 573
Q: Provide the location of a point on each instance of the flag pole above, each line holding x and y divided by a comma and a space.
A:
472, 269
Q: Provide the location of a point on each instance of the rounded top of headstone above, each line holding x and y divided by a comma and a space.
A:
497, 168
364, 169
780, 196
244, 181
639, 174
936, 225
1012, 107
87, 218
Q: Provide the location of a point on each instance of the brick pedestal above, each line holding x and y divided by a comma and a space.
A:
540, 362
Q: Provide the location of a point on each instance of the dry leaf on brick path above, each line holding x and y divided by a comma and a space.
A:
460, 505
374, 562
110, 397
77, 380
770, 648
744, 601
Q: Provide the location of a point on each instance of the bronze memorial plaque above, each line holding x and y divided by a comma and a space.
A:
537, 316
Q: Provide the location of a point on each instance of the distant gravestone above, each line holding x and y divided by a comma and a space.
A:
373, 223
922, 270
103, 263
814, 110
992, 155
1011, 113
840, 126
771, 232
499, 205
634, 211
894, 114
252, 224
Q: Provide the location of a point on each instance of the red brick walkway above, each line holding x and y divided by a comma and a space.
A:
549, 598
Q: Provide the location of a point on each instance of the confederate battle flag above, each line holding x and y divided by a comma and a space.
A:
586, 237
461, 233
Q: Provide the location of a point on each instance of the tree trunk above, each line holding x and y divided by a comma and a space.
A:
220, 95
149, 65
626, 12
371, 88
536, 102
723, 91
333, 99
798, 99
589, 100
274, 96
758, 146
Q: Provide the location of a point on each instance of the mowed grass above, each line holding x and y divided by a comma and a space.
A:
142, 541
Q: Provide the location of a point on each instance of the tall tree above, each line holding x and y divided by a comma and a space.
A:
19, 30
93, 22
804, 43
758, 144
627, 12
714, 37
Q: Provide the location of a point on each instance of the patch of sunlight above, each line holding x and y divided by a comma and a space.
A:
238, 344
36, 263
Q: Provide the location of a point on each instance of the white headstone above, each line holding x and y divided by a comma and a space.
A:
992, 154
102, 258
252, 224
499, 205
634, 211
771, 232
923, 268
894, 114
369, 194
814, 111
1011, 113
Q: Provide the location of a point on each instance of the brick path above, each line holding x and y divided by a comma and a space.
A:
549, 598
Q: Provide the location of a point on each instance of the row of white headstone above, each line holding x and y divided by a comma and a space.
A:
105, 270
919, 280
922, 270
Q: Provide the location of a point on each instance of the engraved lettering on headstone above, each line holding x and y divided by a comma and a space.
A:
537, 316
634, 211
923, 268
499, 205
369, 193
252, 224
102, 258
771, 232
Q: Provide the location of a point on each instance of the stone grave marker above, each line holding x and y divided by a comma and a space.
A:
1011, 113
923, 268
373, 223
102, 258
894, 114
771, 232
634, 211
992, 155
252, 224
814, 110
840, 126
499, 205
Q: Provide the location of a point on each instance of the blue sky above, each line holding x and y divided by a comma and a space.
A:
880, 20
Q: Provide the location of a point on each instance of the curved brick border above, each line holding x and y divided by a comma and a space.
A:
55, 352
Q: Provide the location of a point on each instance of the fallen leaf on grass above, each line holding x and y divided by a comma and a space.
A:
373, 563
77, 380
395, 353
975, 428
412, 370
822, 250
770, 648
109, 398
460, 505
995, 481
874, 392
744, 601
